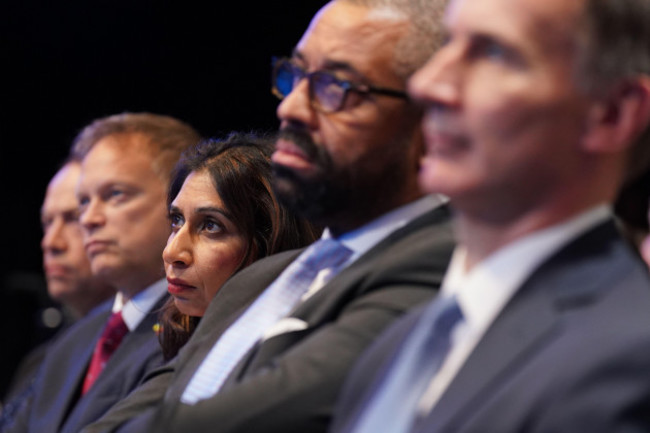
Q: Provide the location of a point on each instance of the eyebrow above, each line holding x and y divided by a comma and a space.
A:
204, 210
332, 65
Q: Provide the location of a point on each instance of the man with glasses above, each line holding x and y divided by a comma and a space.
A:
347, 157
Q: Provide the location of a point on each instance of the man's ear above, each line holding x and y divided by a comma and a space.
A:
616, 120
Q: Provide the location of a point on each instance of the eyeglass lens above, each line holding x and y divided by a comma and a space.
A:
325, 90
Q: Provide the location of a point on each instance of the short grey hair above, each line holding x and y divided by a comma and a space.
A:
425, 34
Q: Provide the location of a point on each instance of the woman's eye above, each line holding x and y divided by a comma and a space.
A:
211, 226
176, 221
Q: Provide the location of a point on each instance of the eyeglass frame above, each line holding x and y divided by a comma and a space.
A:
346, 85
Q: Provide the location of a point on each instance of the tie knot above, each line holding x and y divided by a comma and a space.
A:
115, 327
449, 315
326, 253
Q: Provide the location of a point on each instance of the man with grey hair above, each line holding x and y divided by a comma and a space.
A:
536, 114
347, 158
126, 163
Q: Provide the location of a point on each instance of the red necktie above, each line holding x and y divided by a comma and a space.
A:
110, 339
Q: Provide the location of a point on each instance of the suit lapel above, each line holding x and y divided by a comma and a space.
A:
136, 338
70, 386
318, 308
510, 340
530, 322
86, 354
238, 294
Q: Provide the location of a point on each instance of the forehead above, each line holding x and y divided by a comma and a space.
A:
60, 194
118, 159
547, 24
354, 35
198, 190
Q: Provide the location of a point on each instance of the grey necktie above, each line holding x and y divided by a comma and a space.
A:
393, 407
276, 302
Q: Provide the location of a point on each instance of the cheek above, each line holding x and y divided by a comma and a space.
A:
75, 246
81, 263
524, 105
351, 136
510, 120
334, 141
497, 113
645, 249
217, 265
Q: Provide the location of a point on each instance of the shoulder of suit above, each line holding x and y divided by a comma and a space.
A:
273, 262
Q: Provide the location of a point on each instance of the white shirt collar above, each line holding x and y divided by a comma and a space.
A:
136, 308
487, 287
364, 238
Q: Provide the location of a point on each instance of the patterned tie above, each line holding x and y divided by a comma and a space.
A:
108, 342
393, 407
275, 303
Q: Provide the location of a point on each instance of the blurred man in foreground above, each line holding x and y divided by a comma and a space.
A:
536, 114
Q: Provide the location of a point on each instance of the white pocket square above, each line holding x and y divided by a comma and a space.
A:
288, 324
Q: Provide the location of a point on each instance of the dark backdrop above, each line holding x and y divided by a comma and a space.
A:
67, 63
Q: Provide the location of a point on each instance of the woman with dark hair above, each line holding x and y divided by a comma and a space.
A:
224, 216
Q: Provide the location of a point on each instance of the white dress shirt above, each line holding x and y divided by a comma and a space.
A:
484, 291
137, 308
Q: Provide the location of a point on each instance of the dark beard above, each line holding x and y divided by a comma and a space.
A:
319, 198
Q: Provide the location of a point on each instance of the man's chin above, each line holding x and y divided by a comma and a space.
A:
104, 269
59, 290
297, 195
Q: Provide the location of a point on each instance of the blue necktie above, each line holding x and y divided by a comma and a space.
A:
275, 303
393, 407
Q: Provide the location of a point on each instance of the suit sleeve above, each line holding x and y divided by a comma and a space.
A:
15, 414
280, 396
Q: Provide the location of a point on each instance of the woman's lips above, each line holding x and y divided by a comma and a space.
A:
176, 286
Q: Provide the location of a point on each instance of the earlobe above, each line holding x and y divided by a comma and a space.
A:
614, 122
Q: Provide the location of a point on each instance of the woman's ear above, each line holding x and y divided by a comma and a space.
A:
616, 120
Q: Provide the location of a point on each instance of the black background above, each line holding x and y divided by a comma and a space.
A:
67, 63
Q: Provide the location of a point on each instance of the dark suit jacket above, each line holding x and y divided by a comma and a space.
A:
55, 406
569, 353
289, 382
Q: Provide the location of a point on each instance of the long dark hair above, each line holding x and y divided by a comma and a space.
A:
240, 168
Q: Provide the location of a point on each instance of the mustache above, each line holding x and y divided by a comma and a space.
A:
301, 139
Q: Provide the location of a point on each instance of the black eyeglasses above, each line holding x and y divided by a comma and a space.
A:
327, 93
